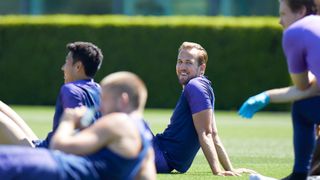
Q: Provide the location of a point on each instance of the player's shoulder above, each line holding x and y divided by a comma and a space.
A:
302, 26
71, 89
198, 82
305, 21
77, 86
293, 32
68, 87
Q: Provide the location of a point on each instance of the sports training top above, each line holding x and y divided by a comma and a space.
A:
74, 94
179, 141
301, 44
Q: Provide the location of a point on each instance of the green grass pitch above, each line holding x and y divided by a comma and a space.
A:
263, 143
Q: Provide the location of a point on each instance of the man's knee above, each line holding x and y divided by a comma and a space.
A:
10, 133
4, 121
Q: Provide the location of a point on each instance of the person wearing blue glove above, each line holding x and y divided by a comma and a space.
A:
281, 95
301, 45
254, 104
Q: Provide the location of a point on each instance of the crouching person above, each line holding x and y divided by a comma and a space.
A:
117, 146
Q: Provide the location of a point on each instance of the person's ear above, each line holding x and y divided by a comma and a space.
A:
202, 68
78, 65
302, 12
124, 99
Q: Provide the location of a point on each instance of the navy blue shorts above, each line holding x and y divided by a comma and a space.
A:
17, 162
161, 163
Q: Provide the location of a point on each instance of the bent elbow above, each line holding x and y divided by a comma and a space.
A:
209, 135
214, 133
216, 138
302, 88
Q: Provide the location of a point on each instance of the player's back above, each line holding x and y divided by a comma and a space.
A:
108, 163
301, 43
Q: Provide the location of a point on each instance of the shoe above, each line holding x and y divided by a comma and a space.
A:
313, 178
259, 177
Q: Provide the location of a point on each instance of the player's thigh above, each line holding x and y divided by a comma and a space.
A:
11, 133
9, 112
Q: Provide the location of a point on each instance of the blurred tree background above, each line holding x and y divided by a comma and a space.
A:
239, 45
142, 7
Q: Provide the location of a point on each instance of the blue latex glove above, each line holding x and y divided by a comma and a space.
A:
254, 104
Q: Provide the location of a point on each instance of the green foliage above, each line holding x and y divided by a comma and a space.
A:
245, 55
117, 20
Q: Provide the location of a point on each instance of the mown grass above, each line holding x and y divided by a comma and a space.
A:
263, 143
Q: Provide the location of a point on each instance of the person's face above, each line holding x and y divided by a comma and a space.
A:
187, 66
109, 103
69, 69
287, 16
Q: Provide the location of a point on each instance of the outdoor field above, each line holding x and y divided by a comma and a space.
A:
263, 143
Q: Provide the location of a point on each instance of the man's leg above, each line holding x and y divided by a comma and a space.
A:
10, 133
305, 114
260, 177
161, 163
17, 162
18, 120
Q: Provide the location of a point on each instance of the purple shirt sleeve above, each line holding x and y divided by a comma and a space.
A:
70, 97
293, 46
198, 96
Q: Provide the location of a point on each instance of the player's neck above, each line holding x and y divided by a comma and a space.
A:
82, 77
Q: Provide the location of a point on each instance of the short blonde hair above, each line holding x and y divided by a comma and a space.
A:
203, 55
123, 81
